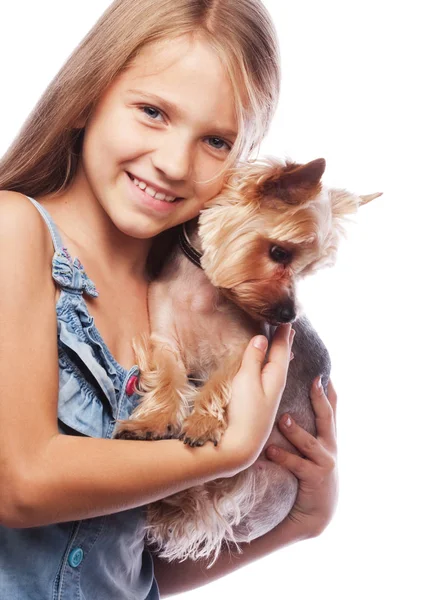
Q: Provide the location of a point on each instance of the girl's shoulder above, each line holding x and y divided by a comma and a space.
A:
24, 237
18, 212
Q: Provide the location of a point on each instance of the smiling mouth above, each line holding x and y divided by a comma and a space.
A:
151, 191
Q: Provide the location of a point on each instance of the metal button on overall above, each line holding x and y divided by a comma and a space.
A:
130, 386
75, 557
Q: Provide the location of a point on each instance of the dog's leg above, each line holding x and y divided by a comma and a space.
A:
208, 421
166, 395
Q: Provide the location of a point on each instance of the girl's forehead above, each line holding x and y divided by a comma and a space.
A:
190, 58
164, 54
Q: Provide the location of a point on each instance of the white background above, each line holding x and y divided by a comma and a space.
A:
358, 80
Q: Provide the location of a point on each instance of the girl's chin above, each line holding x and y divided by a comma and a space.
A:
139, 227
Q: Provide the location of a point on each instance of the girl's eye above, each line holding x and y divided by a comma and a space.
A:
218, 144
152, 113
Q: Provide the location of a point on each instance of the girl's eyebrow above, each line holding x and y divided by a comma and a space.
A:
174, 109
166, 104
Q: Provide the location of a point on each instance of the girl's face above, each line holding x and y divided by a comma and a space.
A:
169, 123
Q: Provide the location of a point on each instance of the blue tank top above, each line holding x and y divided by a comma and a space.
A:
103, 557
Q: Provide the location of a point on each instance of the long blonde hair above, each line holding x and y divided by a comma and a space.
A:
44, 157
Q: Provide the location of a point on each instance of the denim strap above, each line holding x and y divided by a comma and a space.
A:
56, 238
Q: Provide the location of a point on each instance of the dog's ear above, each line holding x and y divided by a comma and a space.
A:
344, 203
368, 198
292, 181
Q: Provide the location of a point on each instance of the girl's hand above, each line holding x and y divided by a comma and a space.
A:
316, 471
256, 392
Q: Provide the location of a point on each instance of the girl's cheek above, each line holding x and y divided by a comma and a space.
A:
210, 192
213, 176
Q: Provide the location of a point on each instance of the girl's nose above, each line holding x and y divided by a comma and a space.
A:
173, 157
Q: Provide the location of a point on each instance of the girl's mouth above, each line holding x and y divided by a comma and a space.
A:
150, 197
145, 187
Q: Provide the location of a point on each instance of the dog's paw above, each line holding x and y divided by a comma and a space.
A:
199, 429
145, 434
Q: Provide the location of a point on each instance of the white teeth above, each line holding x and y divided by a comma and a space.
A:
152, 192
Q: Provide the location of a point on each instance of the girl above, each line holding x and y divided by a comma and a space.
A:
170, 94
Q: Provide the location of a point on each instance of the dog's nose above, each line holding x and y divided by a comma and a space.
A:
285, 313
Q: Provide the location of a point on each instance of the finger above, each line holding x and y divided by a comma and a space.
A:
254, 356
275, 370
332, 397
283, 337
302, 468
309, 446
324, 412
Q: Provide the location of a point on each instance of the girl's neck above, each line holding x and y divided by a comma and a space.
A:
84, 224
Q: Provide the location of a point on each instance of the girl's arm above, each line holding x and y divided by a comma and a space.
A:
176, 578
311, 513
46, 477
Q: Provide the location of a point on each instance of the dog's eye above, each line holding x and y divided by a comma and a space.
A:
280, 255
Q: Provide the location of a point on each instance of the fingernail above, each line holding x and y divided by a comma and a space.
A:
260, 342
319, 384
291, 338
287, 422
291, 356
272, 451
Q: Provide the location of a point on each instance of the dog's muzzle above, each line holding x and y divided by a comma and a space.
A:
281, 313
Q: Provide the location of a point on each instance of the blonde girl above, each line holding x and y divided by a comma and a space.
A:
168, 93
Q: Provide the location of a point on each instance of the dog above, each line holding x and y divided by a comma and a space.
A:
233, 275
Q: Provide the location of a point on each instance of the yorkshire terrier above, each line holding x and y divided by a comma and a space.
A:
233, 275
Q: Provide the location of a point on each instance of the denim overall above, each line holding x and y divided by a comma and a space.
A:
102, 558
